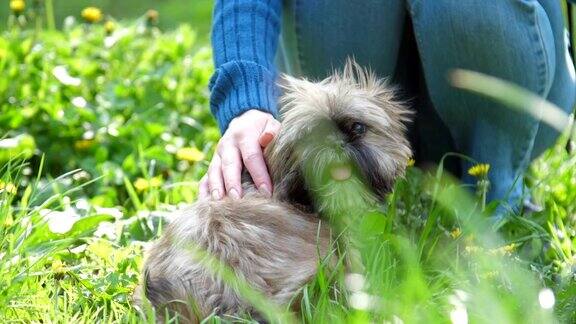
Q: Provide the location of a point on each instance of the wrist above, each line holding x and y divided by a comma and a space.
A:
241, 86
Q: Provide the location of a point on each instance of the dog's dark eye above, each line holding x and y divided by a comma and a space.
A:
357, 130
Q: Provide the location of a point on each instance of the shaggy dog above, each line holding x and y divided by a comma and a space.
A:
341, 147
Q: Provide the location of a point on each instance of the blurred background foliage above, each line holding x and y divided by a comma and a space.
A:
196, 13
122, 105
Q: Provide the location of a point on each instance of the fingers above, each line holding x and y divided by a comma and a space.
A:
231, 170
215, 181
241, 145
253, 159
203, 188
270, 131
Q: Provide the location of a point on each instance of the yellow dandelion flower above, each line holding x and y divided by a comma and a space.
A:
83, 144
92, 14
455, 233
7, 187
17, 6
142, 184
190, 154
8, 221
152, 15
58, 267
109, 27
489, 275
479, 170
155, 182
504, 250
411, 162
510, 248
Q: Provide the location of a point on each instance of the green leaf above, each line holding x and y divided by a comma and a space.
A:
83, 227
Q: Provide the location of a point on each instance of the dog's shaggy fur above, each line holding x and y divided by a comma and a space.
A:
348, 122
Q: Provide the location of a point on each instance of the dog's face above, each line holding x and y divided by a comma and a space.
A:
342, 142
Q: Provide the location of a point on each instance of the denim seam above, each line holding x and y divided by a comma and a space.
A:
542, 52
298, 31
418, 36
544, 71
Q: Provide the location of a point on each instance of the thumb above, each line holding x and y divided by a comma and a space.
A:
270, 131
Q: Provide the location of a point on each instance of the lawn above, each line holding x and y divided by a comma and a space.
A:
172, 12
105, 130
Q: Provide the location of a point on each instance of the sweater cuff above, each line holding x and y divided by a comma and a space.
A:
239, 86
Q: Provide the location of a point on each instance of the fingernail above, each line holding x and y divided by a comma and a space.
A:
215, 194
264, 190
233, 193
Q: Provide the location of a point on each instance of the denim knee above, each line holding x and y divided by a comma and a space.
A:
509, 39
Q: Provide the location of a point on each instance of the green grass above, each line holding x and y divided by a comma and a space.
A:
87, 183
196, 13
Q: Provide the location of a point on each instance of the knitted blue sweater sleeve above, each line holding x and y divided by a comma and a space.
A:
244, 40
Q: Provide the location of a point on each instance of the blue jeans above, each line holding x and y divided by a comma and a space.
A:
522, 41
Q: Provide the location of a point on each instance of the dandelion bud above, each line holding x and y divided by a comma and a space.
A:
455, 233
92, 14
17, 6
109, 27
152, 16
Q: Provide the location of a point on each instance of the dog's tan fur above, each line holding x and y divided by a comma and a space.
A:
275, 243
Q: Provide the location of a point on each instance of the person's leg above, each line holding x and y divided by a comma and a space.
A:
563, 90
318, 36
430, 139
510, 39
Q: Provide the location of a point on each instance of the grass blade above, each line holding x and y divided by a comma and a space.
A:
512, 96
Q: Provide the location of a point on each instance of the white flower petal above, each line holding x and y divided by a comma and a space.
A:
114, 212
60, 222
79, 102
354, 282
361, 301
106, 229
459, 315
8, 143
546, 298
61, 73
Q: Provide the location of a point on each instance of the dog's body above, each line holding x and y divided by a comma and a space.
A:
341, 147
268, 243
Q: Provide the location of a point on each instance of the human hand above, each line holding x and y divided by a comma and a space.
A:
241, 144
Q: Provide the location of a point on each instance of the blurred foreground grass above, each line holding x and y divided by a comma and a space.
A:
104, 133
